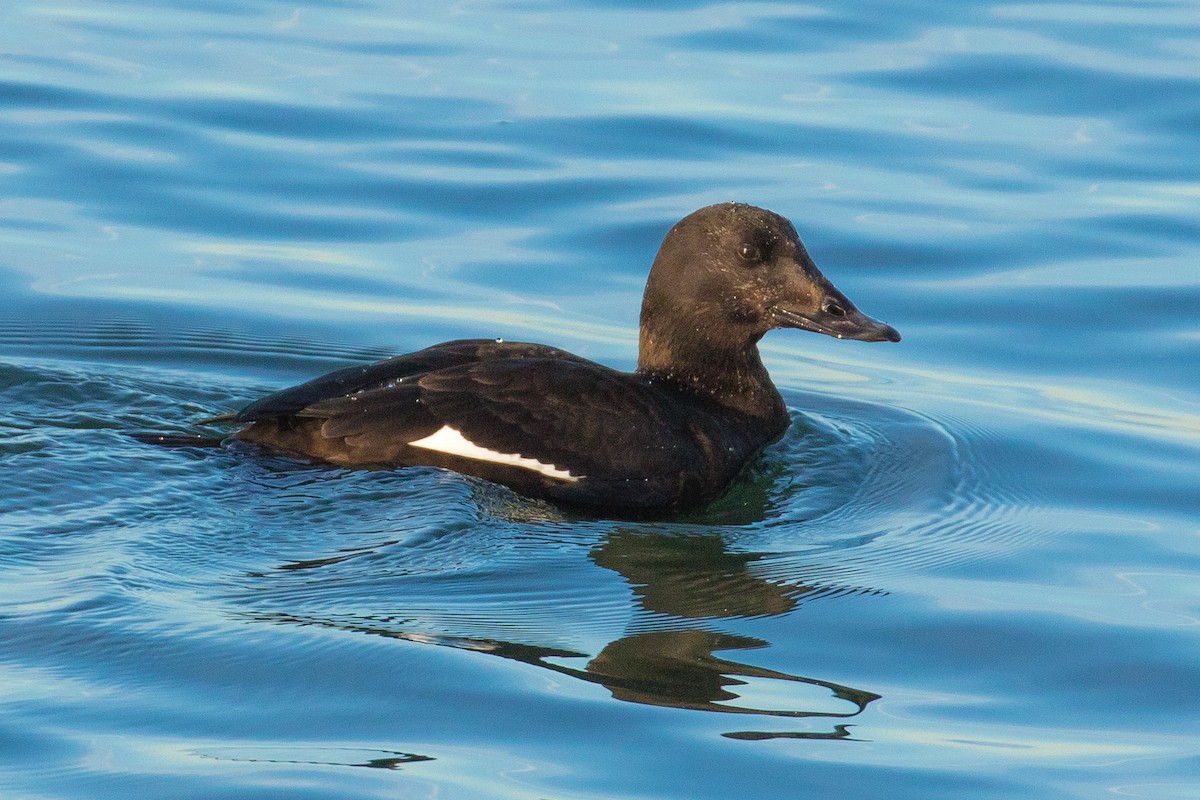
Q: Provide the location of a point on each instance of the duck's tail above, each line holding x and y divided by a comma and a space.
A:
177, 439
186, 439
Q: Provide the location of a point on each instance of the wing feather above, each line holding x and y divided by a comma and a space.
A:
577, 415
296, 399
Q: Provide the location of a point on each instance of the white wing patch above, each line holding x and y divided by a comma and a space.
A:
449, 441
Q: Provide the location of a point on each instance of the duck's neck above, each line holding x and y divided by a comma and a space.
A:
732, 375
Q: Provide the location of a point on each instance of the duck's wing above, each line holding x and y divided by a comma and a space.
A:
579, 416
382, 374
576, 418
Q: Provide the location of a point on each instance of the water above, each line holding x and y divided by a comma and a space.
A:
971, 569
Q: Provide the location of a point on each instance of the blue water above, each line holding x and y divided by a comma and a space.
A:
971, 569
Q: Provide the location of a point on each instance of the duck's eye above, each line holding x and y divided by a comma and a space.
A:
749, 252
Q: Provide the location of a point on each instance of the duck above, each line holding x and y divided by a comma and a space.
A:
667, 438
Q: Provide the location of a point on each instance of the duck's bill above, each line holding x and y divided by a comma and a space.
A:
840, 321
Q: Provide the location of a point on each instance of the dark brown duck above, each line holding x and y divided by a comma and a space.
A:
668, 437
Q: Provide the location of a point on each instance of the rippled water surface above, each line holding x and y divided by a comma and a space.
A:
971, 568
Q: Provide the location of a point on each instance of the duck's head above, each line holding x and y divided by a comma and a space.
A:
728, 273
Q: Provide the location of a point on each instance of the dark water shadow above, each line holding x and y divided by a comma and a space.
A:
314, 756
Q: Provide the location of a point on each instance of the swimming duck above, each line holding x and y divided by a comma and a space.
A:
668, 437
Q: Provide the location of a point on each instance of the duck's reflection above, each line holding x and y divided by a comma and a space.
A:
680, 669
696, 577
692, 576
679, 582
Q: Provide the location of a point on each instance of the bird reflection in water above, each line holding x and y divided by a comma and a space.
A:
682, 582
695, 577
